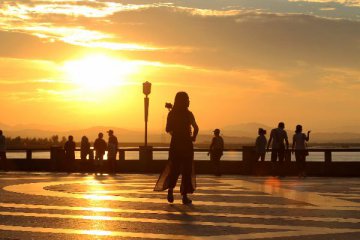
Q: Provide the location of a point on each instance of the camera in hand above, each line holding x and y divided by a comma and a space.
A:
168, 106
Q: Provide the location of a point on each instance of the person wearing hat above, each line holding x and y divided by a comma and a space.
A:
216, 151
112, 151
100, 148
260, 145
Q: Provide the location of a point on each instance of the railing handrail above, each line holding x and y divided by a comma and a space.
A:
160, 149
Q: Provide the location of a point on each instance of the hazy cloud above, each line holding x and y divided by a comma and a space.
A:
273, 55
246, 39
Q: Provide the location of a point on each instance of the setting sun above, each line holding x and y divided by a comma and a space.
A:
249, 62
99, 72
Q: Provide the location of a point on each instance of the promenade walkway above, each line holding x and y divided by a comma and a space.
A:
79, 206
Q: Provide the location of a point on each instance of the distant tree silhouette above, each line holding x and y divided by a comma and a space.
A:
19, 142
55, 139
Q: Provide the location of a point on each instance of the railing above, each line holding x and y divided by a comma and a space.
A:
147, 160
246, 151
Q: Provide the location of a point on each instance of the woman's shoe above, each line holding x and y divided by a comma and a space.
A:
170, 196
186, 200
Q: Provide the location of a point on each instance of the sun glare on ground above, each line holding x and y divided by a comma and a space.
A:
99, 72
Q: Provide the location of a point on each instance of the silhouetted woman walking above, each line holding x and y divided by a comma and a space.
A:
180, 122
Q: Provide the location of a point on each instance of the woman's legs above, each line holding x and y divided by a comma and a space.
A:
173, 178
186, 177
170, 196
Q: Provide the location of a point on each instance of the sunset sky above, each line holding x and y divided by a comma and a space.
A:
75, 64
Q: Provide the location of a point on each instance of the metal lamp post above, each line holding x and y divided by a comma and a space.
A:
146, 91
145, 152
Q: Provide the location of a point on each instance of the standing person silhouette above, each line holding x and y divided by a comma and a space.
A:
3, 158
277, 137
299, 147
112, 151
84, 148
100, 148
180, 122
69, 148
216, 151
260, 145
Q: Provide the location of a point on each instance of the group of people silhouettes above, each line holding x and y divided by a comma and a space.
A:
100, 148
280, 146
182, 127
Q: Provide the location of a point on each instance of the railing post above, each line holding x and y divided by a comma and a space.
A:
121, 155
28, 155
248, 158
328, 156
57, 156
28, 164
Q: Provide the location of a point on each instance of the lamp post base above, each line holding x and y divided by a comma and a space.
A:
145, 157
145, 153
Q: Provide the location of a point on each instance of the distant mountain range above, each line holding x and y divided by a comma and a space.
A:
242, 134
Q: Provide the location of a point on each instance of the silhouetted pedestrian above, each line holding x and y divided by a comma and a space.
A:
300, 149
260, 145
84, 148
100, 148
69, 148
278, 138
112, 151
216, 151
180, 122
3, 159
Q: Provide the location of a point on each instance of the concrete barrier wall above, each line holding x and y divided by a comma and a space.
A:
348, 169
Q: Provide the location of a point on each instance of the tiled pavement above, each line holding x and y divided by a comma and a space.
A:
76, 206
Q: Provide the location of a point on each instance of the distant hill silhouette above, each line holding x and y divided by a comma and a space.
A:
244, 133
244, 129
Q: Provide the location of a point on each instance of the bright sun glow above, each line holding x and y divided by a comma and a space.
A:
99, 72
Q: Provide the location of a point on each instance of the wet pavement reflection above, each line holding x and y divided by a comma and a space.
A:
81, 206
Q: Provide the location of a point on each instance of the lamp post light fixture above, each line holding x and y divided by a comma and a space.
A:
145, 152
146, 91
146, 88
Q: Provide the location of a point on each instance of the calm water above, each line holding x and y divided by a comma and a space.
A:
229, 156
